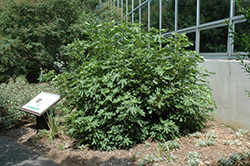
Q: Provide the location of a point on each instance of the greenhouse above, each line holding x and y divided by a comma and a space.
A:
208, 24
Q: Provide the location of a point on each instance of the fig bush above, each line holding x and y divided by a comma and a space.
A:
129, 85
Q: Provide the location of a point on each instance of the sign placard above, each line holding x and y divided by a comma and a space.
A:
41, 103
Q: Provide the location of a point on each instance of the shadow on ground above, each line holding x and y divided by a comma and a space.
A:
95, 161
14, 154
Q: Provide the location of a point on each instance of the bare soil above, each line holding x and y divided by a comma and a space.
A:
65, 152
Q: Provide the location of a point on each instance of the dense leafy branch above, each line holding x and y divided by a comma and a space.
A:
125, 88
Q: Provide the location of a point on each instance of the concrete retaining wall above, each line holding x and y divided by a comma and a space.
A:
229, 86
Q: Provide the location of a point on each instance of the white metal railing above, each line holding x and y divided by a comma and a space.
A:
232, 20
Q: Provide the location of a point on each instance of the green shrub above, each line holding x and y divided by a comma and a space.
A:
15, 94
32, 33
125, 88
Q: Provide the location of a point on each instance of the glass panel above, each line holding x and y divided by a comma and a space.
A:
129, 6
136, 16
241, 29
186, 13
212, 10
214, 40
136, 3
144, 16
244, 4
191, 38
130, 18
168, 12
124, 7
154, 14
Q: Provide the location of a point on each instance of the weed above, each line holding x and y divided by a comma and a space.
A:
163, 148
55, 128
60, 146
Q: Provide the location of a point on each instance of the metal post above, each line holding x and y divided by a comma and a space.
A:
121, 8
42, 121
133, 12
140, 11
229, 39
148, 15
160, 14
127, 10
176, 16
197, 31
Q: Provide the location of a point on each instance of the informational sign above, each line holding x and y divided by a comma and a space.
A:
41, 103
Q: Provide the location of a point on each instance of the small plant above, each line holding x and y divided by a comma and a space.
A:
134, 156
236, 142
237, 158
82, 147
55, 128
173, 157
225, 142
240, 133
147, 144
193, 159
163, 148
211, 135
202, 143
225, 162
195, 135
60, 146
172, 145
147, 160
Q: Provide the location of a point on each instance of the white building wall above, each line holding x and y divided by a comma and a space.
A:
229, 86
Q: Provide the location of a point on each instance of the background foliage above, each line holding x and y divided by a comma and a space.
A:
32, 32
241, 37
125, 88
15, 94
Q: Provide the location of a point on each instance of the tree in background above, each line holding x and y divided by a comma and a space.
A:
32, 33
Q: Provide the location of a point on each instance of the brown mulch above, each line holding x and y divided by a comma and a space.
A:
64, 151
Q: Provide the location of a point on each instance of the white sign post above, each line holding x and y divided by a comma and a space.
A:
39, 105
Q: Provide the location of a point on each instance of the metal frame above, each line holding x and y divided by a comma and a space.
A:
232, 20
